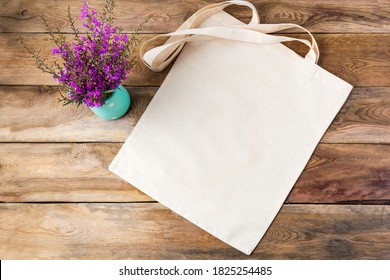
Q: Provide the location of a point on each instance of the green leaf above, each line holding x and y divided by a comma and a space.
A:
79, 102
68, 102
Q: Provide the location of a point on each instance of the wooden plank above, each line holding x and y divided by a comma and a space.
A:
70, 190
33, 114
361, 59
336, 173
151, 231
51, 161
17, 62
365, 117
345, 173
319, 16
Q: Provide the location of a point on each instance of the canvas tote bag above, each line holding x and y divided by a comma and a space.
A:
232, 126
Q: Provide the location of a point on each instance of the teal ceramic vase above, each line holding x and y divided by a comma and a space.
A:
115, 106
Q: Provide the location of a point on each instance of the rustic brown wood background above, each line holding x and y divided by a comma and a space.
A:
59, 201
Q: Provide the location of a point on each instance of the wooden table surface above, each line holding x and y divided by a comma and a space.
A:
59, 201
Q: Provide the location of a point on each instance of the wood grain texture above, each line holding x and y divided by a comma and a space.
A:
47, 120
78, 173
331, 16
345, 173
365, 117
70, 190
15, 61
360, 59
51, 161
151, 231
62, 172
59, 201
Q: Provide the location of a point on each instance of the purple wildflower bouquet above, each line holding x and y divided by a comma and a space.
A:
95, 62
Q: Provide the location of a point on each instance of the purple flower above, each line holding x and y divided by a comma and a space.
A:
84, 10
95, 62
94, 98
55, 51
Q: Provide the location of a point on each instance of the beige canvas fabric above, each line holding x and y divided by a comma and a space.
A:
233, 125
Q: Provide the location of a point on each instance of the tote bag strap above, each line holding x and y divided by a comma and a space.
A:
161, 56
201, 15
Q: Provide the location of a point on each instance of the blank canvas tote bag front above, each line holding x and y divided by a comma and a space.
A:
232, 126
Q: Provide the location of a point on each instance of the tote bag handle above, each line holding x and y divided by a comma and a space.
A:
161, 56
